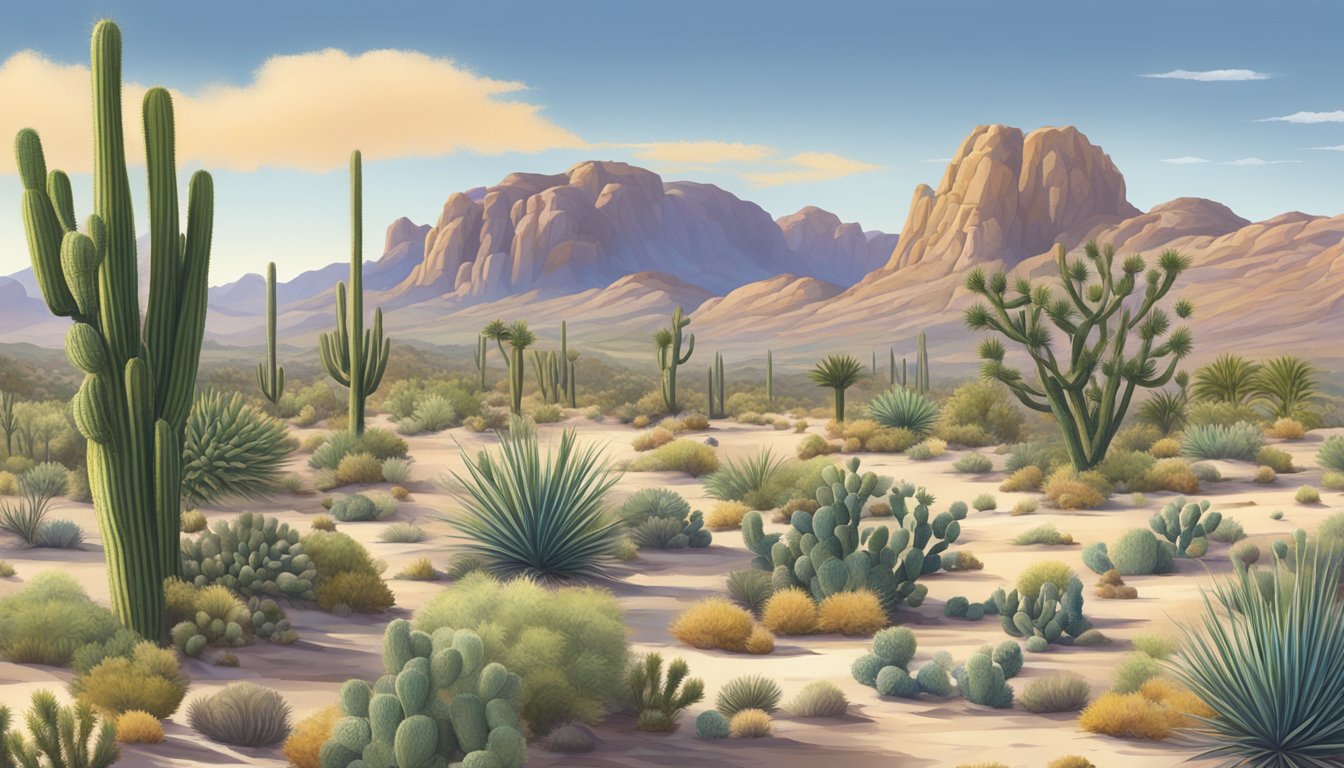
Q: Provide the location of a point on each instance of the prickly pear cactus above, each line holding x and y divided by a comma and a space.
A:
253, 556
438, 703
1048, 615
826, 552
1186, 525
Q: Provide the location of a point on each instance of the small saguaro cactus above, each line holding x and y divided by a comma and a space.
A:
1186, 525
479, 356
715, 391
9, 421
891, 368
354, 357
922, 365
571, 377
670, 357
548, 371
139, 378
564, 355
270, 375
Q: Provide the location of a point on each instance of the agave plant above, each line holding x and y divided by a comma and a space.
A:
1268, 659
1164, 410
1228, 379
838, 372
1218, 441
37, 488
534, 516
746, 480
1287, 383
231, 449
904, 408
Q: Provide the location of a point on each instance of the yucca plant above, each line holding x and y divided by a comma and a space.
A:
1287, 384
37, 488
534, 516
746, 480
1164, 410
1218, 441
231, 449
1228, 379
1267, 659
837, 372
904, 408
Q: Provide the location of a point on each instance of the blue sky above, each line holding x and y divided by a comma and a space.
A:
836, 104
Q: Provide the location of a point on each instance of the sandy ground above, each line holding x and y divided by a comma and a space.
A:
658, 585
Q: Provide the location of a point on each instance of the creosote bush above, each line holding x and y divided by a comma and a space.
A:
851, 613
1067, 692
715, 623
139, 727
689, 457
241, 715
819, 698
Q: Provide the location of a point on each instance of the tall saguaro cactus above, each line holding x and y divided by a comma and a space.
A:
354, 356
1088, 379
270, 375
668, 341
139, 379
922, 366
480, 358
571, 380
715, 391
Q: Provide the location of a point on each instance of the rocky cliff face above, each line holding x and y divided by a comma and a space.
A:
841, 253
1006, 197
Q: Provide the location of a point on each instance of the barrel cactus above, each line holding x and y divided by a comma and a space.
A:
826, 552
437, 704
1186, 525
253, 556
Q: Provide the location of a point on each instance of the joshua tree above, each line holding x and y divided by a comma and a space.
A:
668, 342
1228, 379
1090, 389
354, 357
519, 337
139, 378
270, 376
838, 372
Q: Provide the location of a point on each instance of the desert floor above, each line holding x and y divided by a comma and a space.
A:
654, 588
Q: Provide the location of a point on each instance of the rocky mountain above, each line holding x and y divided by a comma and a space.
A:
841, 253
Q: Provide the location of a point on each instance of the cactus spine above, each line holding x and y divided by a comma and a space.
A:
922, 366
770, 376
356, 358
715, 407
138, 387
270, 375
668, 342
480, 358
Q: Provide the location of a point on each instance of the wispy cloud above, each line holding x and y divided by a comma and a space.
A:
1253, 161
1336, 148
1211, 75
1186, 160
939, 160
1308, 117
807, 167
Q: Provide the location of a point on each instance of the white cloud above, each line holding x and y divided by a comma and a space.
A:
304, 112
1187, 160
1211, 75
939, 160
1308, 117
1336, 148
806, 167
1255, 161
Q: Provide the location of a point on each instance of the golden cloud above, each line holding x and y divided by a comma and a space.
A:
694, 153
303, 112
807, 167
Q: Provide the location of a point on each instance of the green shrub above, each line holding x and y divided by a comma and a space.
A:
1307, 495
354, 508
396, 469
419, 569
359, 469
1044, 456
402, 533
378, 443
1331, 454
147, 679
1026, 506
689, 457
253, 556
748, 480
1066, 692
241, 715
193, 521
1221, 414
1216, 441
1136, 438
973, 463
1278, 460
525, 515
819, 698
354, 592
6, 570
983, 404
568, 644
1135, 670
1136, 553
930, 448
748, 692
219, 619
750, 589
50, 620
576, 739
547, 413
984, 502
1045, 533
1159, 647
903, 408
433, 413
1030, 581
1229, 531
38, 487
1124, 469
231, 449
813, 446
60, 534
654, 502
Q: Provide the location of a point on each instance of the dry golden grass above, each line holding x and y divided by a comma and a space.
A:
305, 741
790, 612
726, 515
654, 438
714, 623
1166, 448
760, 642
1126, 715
750, 724
851, 613
139, 727
1070, 761
1287, 429
1028, 478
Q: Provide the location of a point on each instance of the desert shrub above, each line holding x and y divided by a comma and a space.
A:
1133, 671
38, 487
1129, 716
654, 502
714, 623
1024, 507
1067, 692
1067, 488
303, 747
750, 724
1171, 475
396, 469
789, 611
359, 469
1332, 480
1138, 553
1136, 438
851, 613
1111, 586
241, 715
750, 589
1228, 531
1159, 647
813, 446
6, 570
1030, 580
137, 727
819, 698
376, 442
1216, 441
419, 569
973, 463
694, 422
571, 740
981, 404
877, 509
1124, 468
1203, 414
902, 408
1276, 515
1166, 448
1045, 533
347, 577
800, 479
1206, 473
50, 620
218, 618
1331, 454
1244, 554
748, 692
747, 480
1307, 495
147, 679
930, 448
433, 413
9, 483
961, 560
402, 533
654, 438
984, 502
1286, 429
1279, 460
726, 515
231, 449
1264, 476
886, 440
688, 457
1028, 478
567, 643
354, 508
322, 523
60, 534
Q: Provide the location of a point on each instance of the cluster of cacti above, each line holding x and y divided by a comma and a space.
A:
139, 381
353, 356
221, 620
1187, 526
568, 360
546, 366
922, 366
715, 391
825, 552
269, 621
479, 356
981, 680
670, 357
1136, 553
659, 700
658, 532
1045, 617
253, 556
1089, 390
437, 704
59, 737
962, 608
519, 337
270, 375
